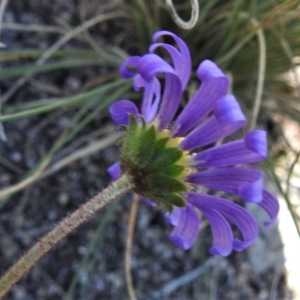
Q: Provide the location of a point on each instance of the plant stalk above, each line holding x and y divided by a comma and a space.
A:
66, 226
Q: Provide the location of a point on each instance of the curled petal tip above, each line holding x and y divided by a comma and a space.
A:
214, 86
251, 149
243, 182
252, 190
228, 112
150, 65
181, 58
270, 223
239, 245
127, 67
256, 141
120, 111
208, 70
179, 241
187, 225
271, 206
241, 218
174, 217
215, 251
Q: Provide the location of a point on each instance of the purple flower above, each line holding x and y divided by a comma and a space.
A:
210, 115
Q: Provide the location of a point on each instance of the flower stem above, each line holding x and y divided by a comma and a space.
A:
66, 226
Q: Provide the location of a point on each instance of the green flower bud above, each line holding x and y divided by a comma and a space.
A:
156, 163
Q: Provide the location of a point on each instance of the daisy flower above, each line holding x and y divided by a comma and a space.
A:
172, 156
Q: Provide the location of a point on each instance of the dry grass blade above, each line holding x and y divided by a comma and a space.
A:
261, 73
5, 162
194, 15
270, 165
291, 169
274, 286
88, 150
2, 9
41, 173
100, 49
29, 180
33, 27
24, 183
129, 238
47, 87
173, 285
63, 40
76, 31
291, 56
91, 137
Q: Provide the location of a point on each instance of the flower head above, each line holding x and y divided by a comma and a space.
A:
164, 152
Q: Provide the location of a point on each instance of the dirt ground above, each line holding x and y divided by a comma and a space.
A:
31, 213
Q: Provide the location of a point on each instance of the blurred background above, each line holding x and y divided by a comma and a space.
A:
59, 73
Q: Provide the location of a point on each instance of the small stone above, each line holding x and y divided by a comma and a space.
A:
52, 215
63, 199
16, 157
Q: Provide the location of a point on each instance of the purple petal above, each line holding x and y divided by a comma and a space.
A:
138, 82
241, 218
181, 59
152, 90
174, 217
151, 65
132, 63
186, 231
114, 170
246, 183
222, 233
147, 201
228, 111
271, 206
256, 141
170, 101
120, 111
214, 86
251, 149
227, 119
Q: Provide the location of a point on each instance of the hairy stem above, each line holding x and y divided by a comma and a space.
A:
66, 226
